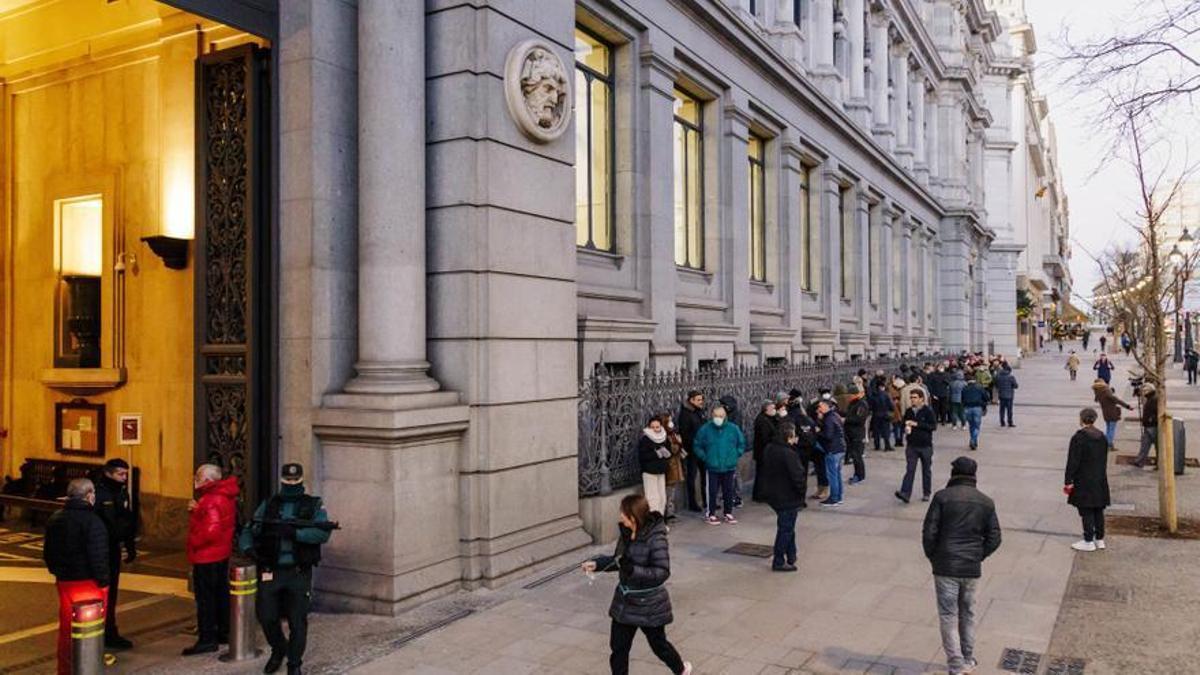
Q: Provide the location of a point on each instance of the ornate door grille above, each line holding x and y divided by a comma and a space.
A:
232, 265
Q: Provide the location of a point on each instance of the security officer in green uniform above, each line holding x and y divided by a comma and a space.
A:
286, 550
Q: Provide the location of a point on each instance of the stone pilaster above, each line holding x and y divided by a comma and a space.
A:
1002, 297
791, 168
881, 104
900, 74
734, 268
887, 268
862, 252
906, 275
656, 211
957, 290
821, 59
917, 96
856, 103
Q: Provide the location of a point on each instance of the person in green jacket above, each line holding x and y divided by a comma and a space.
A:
719, 444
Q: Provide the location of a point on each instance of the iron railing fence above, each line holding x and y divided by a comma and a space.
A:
614, 407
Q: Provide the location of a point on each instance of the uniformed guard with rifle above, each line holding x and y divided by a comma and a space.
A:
285, 540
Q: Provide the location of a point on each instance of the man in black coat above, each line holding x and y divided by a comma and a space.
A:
919, 425
114, 508
1086, 480
76, 553
785, 483
689, 420
858, 412
766, 426
960, 531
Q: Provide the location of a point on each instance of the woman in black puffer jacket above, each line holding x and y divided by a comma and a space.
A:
640, 599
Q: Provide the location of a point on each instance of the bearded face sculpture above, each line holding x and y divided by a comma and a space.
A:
537, 91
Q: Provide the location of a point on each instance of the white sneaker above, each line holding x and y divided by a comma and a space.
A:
687, 668
1100, 544
1084, 546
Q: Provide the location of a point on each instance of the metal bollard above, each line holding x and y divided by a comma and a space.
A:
243, 628
87, 637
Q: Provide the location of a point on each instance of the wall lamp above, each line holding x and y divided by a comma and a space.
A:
172, 250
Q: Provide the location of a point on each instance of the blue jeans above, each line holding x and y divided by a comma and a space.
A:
833, 469
974, 419
956, 618
785, 536
1006, 405
898, 433
1110, 430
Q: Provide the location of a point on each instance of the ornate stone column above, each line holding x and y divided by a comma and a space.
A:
933, 148
887, 243
880, 67
906, 276
391, 202
862, 253
792, 167
821, 37
734, 266
856, 103
917, 96
901, 87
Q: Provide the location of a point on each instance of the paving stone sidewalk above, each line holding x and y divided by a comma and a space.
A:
862, 602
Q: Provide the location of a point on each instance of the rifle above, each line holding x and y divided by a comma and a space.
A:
327, 525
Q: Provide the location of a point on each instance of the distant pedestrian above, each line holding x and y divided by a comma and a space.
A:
1103, 342
640, 601
1006, 389
766, 426
690, 418
1060, 345
939, 391
1087, 337
919, 424
719, 444
858, 413
115, 508
974, 402
653, 452
1073, 364
76, 553
1149, 425
1191, 360
881, 416
957, 419
675, 465
961, 530
1110, 408
785, 484
1086, 480
211, 526
894, 389
833, 440
1126, 343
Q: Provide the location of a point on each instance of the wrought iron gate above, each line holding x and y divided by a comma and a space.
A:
232, 271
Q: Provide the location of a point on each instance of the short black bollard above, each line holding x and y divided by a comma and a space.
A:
243, 625
87, 637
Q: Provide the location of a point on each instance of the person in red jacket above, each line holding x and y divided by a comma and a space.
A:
211, 528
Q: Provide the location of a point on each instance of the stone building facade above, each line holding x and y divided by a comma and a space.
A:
1032, 249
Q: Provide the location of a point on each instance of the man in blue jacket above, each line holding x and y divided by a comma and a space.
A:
1006, 387
833, 439
719, 444
974, 402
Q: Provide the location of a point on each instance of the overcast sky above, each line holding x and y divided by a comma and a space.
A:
1099, 192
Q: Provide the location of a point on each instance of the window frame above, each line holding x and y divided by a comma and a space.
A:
846, 289
806, 228
757, 215
590, 75
697, 129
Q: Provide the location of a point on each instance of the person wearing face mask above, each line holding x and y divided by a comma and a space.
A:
766, 426
785, 483
640, 601
675, 470
719, 444
76, 553
653, 453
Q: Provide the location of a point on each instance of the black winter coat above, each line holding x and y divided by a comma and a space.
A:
784, 480
939, 385
76, 545
647, 452
688, 421
1087, 469
961, 529
921, 435
881, 403
765, 430
644, 564
855, 422
113, 507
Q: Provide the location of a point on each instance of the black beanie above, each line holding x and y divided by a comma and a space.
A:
116, 463
963, 466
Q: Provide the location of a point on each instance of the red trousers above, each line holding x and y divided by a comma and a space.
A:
69, 593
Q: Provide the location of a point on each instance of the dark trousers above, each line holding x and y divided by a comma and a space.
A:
722, 481
620, 641
925, 457
288, 594
881, 432
1093, 523
114, 572
695, 469
1191, 373
942, 408
211, 582
1006, 405
898, 433
854, 450
785, 536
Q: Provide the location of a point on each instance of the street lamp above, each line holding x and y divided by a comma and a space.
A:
1182, 273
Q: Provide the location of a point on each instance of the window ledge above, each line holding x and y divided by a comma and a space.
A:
601, 257
689, 272
765, 285
811, 295
95, 379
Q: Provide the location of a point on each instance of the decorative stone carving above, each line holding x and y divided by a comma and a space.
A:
537, 90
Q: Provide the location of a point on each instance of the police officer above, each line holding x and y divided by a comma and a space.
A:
115, 510
286, 550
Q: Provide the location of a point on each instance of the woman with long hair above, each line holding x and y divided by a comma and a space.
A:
640, 600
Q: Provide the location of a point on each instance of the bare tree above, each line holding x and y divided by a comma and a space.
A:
1143, 287
1149, 64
